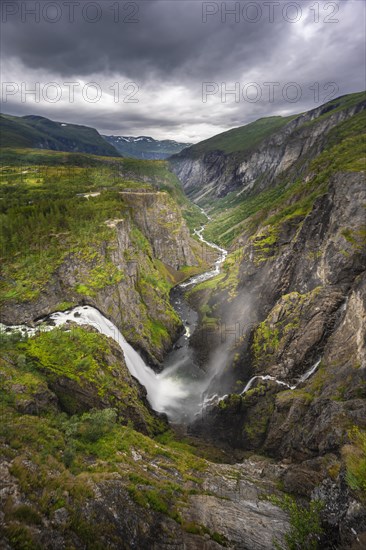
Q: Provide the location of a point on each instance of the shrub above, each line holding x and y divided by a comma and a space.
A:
305, 524
355, 457
26, 514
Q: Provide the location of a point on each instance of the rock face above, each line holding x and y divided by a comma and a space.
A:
289, 309
308, 300
289, 150
152, 228
245, 522
82, 462
163, 226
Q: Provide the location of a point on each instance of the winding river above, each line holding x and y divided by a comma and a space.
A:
180, 389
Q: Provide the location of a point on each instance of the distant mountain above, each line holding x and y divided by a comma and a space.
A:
144, 147
41, 133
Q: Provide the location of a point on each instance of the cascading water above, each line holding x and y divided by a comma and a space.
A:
178, 389
302, 378
161, 389
214, 399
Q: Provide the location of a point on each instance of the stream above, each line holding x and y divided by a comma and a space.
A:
180, 390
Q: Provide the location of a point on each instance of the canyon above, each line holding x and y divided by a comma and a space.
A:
205, 371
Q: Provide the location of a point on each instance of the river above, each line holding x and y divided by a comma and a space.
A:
180, 390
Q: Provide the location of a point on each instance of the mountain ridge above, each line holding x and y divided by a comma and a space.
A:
39, 132
212, 173
280, 332
145, 147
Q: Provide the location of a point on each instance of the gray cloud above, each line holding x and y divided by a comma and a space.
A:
170, 52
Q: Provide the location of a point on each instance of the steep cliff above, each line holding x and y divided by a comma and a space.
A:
120, 245
289, 309
262, 152
281, 331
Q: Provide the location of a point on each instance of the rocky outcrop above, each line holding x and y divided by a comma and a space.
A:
164, 227
276, 314
288, 311
246, 521
97, 379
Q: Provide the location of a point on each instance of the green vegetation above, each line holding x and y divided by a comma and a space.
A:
306, 528
290, 396
44, 214
272, 335
245, 138
355, 458
290, 201
260, 405
40, 132
59, 454
339, 104
59, 211
92, 370
240, 139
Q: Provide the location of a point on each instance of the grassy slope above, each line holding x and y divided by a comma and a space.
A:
57, 459
69, 452
34, 131
240, 139
82, 172
244, 138
261, 217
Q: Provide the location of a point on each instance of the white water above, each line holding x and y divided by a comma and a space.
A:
215, 399
309, 372
24, 330
177, 390
166, 391
265, 377
213, 272
302, 378
174, 391
217, 265
161, 388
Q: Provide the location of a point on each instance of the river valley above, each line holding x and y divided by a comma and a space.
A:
179, 389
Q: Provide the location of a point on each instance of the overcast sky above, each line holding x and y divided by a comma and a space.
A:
164, 67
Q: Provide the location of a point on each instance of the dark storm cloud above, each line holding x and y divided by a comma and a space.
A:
168, 40
170, 47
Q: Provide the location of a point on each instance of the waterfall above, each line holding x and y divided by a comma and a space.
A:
215, 399
164, 390
302, 378
265, 377
179, 391
161, 388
